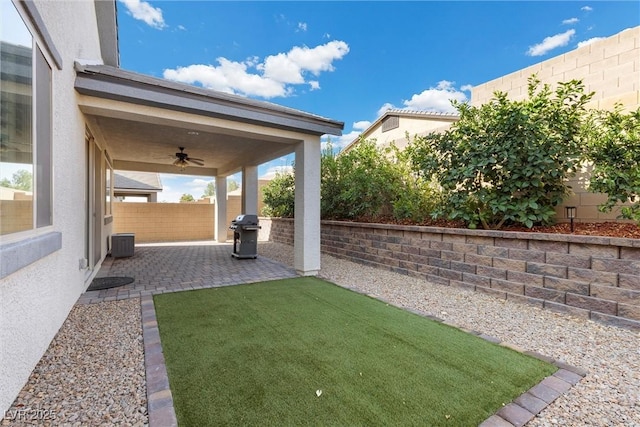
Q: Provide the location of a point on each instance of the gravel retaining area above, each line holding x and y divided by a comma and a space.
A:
92, 374
609, 395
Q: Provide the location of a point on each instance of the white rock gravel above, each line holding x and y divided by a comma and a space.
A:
608, 396
93, 371
92, 374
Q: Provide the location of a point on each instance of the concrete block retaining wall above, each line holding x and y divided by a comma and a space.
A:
587, 276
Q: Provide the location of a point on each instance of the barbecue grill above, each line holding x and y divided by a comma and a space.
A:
245, 236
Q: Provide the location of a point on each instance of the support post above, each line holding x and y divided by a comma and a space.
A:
221, 209
306, 240
250, 190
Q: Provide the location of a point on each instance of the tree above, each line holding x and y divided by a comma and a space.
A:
232, 185
507, 161
210, 189
614, 150
21, 180
186, 198
279, 196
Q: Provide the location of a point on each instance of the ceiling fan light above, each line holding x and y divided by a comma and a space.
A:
180, 163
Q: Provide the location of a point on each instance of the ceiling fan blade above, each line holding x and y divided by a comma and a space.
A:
199, 162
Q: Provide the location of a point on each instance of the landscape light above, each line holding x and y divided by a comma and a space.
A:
571, 214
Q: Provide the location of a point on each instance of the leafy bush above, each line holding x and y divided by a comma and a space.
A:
279, 196
358, 184
366, 183
506, 161
614, 150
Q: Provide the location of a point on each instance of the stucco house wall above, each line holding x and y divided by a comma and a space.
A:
610, 68
36, 299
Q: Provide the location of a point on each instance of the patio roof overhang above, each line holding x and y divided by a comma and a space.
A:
142, 121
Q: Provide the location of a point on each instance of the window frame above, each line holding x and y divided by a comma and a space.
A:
24, 247
109, 183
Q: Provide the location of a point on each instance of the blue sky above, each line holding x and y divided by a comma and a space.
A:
350, 61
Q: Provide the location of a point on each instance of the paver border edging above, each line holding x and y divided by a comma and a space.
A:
159, 398
529, 404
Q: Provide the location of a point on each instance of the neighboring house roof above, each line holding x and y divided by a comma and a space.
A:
427, 116
129, 180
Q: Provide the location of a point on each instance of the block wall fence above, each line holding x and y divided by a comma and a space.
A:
173, 222
610, 68
586, 276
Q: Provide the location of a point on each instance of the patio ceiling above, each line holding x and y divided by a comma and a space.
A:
143, 120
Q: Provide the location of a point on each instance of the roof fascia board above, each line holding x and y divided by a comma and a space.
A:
106, 15
183, 98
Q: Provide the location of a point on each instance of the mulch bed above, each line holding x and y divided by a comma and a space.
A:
605, 229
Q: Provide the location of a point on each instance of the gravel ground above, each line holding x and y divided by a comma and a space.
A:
92, 374
80, 384
608, 396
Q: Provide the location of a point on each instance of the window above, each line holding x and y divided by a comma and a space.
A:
390, 122
25, 140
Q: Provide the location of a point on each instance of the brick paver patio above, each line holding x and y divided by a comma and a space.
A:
160, 268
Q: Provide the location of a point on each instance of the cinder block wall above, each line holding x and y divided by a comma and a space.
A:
164, 222
280, 230
608, 67
585, 276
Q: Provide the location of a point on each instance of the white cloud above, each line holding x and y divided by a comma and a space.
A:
386, 106
586, 8
229, 77
182, 28
275, 170
436, 99
175, 185
570, 21
313, 60
272, 77
550, 43
339, 142
302, 26
361, 125
466, 88
143, 11
589, 41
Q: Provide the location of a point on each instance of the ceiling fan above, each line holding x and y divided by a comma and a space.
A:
183, 160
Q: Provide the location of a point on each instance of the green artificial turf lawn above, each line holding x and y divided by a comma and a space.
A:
257, 354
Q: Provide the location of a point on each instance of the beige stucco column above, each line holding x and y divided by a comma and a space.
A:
250, 190
221, 209
306, 240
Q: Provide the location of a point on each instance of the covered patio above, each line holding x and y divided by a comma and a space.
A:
138, 123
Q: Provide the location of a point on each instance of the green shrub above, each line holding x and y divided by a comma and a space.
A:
507, 161
614, 150
279, 196
358, 184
